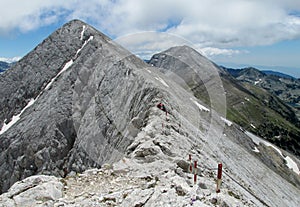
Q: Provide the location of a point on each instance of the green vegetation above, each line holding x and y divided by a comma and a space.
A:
260, 112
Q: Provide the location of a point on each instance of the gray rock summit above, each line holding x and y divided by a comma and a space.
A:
73, 87
80, 101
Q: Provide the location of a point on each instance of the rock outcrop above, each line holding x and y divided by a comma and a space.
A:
68, 105
38, 190
96, 107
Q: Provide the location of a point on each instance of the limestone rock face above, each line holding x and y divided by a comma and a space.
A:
68, 105
93, 122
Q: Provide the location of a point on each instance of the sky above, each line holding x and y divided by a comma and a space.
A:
233, 33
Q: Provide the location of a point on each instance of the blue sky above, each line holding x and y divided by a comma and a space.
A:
234, 33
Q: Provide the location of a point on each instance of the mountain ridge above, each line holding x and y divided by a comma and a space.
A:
98, 105
250, 107
282, 86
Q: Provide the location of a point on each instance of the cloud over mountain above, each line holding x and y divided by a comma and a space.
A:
208, 22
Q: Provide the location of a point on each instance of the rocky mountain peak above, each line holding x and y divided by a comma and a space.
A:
80, 101
47, 95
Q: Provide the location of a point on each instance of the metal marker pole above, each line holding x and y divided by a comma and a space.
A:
219, 177
195, 172
191, 166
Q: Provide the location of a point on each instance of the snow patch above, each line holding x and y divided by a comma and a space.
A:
257, 82
247, 99
67, 65
291, 164
82, 32
254, 127
162, 81
16, 118
84, 44
202, 108
229, 123
256, 150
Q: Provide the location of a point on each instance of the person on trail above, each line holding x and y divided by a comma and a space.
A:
161, 107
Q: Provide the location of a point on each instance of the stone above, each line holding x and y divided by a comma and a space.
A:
184, 165
180, 191
35, 190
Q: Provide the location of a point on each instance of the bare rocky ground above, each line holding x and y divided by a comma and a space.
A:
103, 110
153, 172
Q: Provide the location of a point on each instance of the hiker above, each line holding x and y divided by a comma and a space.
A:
161, 107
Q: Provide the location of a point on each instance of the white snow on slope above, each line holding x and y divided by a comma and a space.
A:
202, 108
67, 65
16, 118
229, 123
162, 81
289, 162
257, 82
256, 150
84, 44
82, 32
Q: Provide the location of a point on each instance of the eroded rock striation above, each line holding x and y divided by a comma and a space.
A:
92, 104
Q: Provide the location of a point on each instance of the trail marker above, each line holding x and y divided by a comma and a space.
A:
191, 166
219, 177
195, 172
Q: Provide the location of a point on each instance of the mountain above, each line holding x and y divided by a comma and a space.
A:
44, 105
4, 66
252, 108
275, 73
283, 86
82, 124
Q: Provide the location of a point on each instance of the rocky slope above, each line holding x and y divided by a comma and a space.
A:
56, 103
285, 87
96, 103
155, 172
251, 107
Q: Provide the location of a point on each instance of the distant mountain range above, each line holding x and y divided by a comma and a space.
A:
286, 87
275, 73
248, 104
4, 66
235, 71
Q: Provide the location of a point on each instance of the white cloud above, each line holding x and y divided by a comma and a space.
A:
211, 24
145, 44
10, 60
212, 51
